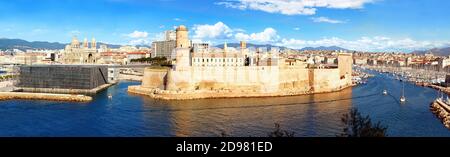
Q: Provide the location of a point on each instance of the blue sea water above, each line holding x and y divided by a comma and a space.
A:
132, 115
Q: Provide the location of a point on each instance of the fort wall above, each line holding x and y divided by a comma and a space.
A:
213, 82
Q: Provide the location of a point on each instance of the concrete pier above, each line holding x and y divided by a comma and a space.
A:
65, 91
44, 96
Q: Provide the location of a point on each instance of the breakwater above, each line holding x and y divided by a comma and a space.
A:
44, 96
442, 111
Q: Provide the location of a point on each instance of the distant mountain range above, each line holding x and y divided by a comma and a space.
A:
329, 48
435, 51
236, 45
23, 44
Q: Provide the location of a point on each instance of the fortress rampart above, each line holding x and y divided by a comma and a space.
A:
244, 81
238, 74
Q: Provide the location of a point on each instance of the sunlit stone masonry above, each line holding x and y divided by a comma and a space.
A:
239, 73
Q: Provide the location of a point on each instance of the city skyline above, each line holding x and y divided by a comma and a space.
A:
365, 25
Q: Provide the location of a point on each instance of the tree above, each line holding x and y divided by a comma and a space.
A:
358, 126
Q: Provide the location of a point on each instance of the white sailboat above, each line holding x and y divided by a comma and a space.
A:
403, 98
385, 92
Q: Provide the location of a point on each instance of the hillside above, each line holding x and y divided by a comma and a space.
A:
236, 45
330, 48
435, 51
23, 44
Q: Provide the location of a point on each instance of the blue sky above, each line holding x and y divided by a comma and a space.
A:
368, 25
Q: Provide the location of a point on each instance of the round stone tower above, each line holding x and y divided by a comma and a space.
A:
182, 49
182, 39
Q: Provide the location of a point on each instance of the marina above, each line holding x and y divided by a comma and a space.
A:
418, 76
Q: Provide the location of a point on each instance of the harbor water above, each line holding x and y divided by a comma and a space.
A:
125, 114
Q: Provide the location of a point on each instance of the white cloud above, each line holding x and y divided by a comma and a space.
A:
74, 33
178, 19
159, 36
268, 35
293, 7
138, 34
138, 38
38, 31
162, 26
296, 28
220, 31
326, 20
216, 31
142, 41
377, 43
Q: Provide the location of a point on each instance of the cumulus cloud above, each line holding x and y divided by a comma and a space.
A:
138, 38
142, 41
268, 35
377, 43
138, 34
220, 31
216, 31
326, 20
293, 7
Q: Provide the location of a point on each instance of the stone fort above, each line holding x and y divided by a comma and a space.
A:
197, 75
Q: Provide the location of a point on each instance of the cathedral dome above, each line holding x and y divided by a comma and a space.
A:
75, 41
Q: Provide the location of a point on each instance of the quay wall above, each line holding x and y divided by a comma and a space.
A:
263, 79
206, 82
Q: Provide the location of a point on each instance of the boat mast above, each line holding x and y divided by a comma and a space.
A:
403, 89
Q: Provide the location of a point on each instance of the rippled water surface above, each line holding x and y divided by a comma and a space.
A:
308, 115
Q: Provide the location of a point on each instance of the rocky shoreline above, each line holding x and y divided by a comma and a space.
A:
442, 111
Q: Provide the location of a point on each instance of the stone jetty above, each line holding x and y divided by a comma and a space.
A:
442, 111
44, 96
